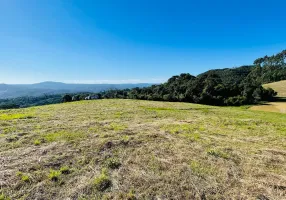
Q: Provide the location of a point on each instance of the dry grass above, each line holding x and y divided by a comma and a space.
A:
279, 107
279, 87
129, 149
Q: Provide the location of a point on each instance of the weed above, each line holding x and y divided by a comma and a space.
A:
125, 138
54, 175
23, 177
65, 170
37, 142
19, 174
102, 182
112, 163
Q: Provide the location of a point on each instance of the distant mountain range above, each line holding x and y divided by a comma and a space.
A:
38, 89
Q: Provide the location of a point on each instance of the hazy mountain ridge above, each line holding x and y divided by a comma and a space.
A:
38, 89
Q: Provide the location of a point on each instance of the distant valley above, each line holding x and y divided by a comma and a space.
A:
48, 88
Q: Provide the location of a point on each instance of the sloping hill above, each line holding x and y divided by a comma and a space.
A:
279, 87
132, 149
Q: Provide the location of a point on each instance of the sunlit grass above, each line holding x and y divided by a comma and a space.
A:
120, 149
15, 116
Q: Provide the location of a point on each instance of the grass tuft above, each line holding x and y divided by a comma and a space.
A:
54, 175
102, 182
37, 142
65, 170
23, 177
113, 163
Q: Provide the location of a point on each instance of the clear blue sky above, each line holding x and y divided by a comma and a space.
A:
116, 41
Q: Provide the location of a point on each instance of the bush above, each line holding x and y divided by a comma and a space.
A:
67, 98
235, 101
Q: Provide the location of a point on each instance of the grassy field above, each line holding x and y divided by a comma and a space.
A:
279, 87
280, 107
131, 149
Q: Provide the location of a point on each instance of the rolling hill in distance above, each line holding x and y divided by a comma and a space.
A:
38, 89
279, 87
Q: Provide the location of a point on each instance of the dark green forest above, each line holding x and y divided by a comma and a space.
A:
222, 87
230, 86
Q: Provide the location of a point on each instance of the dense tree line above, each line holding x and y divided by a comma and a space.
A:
231, 86
22, 102
205, 89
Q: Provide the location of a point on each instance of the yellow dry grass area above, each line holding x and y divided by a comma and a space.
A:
279, 87
279, 107
131, 149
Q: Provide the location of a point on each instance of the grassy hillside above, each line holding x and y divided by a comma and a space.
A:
279, 87
130, 149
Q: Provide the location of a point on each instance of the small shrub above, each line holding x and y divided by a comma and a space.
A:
65, 170
102, 182
113, 163
54, 175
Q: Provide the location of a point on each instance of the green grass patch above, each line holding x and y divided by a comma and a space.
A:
37, 142
65, 170
15, 116
190, 131
102, 182
112, 163
23, 177
54, 175
64, 136
117, 126
4, 197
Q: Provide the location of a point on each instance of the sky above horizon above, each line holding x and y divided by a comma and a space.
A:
127, 41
